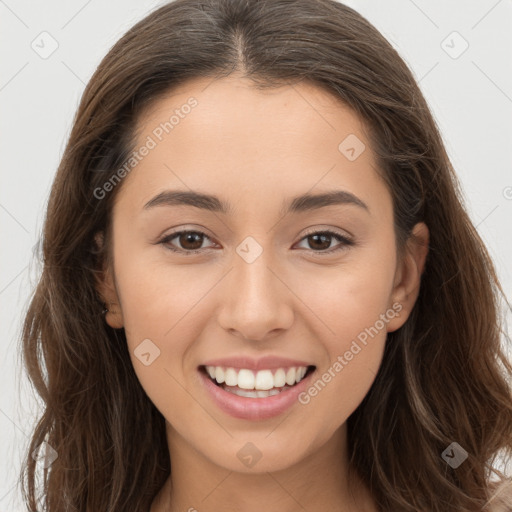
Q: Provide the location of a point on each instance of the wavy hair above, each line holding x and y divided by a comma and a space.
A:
444, 377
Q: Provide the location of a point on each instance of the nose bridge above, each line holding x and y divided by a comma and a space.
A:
256, 302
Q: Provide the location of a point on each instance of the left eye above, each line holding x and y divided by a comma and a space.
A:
191, 241
320, 237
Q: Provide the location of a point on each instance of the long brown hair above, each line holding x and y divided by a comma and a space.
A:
444, 375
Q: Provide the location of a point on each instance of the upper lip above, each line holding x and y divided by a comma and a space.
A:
263, 363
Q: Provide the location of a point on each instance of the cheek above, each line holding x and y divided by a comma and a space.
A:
341, 387
158, 303
353, 351
157, 307
349, 297
158, 298
353, 304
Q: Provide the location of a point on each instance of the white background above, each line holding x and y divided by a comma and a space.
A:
470, 96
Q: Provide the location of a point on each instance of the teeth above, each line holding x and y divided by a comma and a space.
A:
230, 377
255, 394
245, 379
279, 378
263, 380
219, 375
290, 377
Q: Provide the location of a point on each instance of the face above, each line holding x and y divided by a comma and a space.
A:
258, 282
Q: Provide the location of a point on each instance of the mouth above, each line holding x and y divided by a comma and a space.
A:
261, 384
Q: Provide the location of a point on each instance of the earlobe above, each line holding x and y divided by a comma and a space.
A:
107, 292
112, 308
408, 274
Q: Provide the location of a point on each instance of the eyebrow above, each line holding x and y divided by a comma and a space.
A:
302, 203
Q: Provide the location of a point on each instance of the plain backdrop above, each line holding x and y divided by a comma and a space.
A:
460, 52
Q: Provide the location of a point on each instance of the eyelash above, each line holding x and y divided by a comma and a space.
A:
345, 242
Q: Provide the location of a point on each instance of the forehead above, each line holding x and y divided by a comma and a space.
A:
231, 108
221, 135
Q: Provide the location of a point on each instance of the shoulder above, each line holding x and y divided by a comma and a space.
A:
501, 496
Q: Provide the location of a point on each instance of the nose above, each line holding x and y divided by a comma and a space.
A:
256, 303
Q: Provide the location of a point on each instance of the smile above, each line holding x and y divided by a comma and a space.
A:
260, 384
255, 395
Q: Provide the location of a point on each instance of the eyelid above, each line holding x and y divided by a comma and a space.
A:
344, 240
165, 240
333, 231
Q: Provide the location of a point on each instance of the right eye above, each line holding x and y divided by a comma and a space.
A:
190, 241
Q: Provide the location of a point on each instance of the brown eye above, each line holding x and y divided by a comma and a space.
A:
320, 241
189, 242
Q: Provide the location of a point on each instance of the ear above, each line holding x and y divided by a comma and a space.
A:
408, 273
105, 286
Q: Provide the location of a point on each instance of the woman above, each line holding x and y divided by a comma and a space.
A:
331, 337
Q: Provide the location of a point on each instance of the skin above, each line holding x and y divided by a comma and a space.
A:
256, 149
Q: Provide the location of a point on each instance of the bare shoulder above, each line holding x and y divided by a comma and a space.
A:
502, 497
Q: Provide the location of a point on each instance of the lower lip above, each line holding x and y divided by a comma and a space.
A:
247, 408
